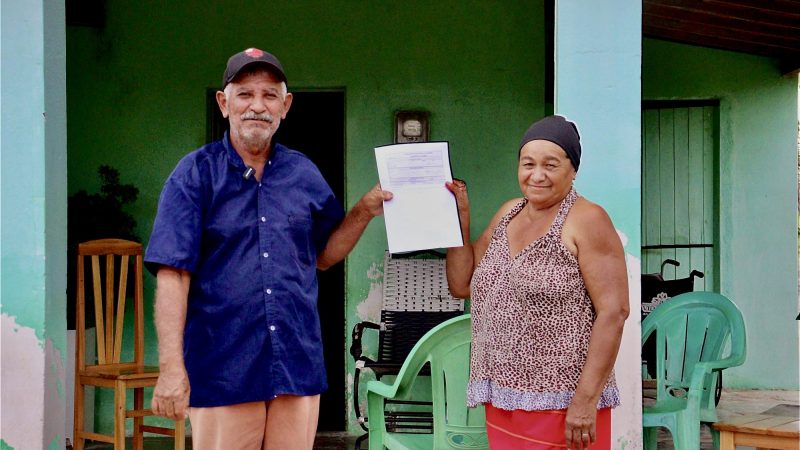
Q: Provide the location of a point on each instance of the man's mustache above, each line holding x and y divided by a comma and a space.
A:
266, 117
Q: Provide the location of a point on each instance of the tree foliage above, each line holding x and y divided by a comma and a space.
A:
97, 216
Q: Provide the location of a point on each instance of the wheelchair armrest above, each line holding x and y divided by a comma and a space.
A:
358, 330
696, 273
671, 262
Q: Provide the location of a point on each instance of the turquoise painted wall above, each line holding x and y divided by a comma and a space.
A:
137, 95
33, 234
597, 81
758, 194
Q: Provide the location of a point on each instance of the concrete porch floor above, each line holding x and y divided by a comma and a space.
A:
732, 403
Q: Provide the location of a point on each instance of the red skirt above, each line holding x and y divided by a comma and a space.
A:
538, 430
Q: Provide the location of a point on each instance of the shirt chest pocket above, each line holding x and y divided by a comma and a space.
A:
300, 229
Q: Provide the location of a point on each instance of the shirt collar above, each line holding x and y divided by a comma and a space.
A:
237, 162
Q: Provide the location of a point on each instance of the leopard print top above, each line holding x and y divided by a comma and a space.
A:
531, 322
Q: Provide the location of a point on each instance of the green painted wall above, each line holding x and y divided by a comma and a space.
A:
33, 235
137, 94
758, 193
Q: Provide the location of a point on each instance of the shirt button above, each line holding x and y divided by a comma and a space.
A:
266, 255
268, 291
272, 328
263, 219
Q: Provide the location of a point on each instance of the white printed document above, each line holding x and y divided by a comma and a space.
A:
422, 214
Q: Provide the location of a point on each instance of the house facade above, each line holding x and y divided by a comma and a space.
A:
133, 93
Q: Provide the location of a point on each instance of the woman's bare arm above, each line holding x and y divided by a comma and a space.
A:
461, 261
602, 262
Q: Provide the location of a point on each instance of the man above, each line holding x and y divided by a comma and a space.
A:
242, 226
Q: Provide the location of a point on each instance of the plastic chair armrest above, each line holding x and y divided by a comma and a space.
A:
698, 378
703, 369
707, 367
358, 331
730, 361
382, 389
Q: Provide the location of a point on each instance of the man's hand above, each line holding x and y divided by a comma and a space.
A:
171, 395
372, 201
345, 236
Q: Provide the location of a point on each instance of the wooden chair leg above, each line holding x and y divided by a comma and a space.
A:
119, 415
180, 434
78, 424
138, 405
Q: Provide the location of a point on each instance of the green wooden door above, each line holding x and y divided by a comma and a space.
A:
679, 189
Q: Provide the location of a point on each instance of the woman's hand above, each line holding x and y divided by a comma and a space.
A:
459, 190
580, 425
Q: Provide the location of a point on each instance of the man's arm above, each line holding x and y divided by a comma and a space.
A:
345, 236
171, 394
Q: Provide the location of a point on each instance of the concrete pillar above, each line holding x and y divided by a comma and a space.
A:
598, 85
33, 231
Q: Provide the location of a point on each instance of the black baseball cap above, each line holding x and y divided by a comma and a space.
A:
250, 56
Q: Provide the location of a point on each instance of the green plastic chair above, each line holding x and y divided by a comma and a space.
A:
692, 330
446, 347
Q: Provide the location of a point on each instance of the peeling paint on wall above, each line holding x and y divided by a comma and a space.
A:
23, 374
628, 366
349, 400
370, 308
54, 396
23, 377
57, 371
55, 444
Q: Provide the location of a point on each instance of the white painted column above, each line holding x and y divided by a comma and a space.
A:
598, 85
33, 234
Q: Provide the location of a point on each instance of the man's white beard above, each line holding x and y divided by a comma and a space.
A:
255, 138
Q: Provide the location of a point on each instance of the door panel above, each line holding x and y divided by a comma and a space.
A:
315, 126
679, 194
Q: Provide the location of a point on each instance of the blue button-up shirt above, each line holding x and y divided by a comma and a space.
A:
252, 327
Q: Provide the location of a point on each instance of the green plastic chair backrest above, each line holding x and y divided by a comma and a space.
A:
446, 347
692, 331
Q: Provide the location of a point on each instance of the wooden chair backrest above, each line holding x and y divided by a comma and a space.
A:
109, 287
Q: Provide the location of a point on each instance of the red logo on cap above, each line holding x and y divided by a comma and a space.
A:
253, 52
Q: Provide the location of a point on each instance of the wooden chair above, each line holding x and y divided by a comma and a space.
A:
108, 371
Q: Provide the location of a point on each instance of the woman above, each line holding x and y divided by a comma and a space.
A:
549, 293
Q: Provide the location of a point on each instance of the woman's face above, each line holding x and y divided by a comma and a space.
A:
545, 173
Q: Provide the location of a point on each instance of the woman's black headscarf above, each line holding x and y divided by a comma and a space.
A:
559, 131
